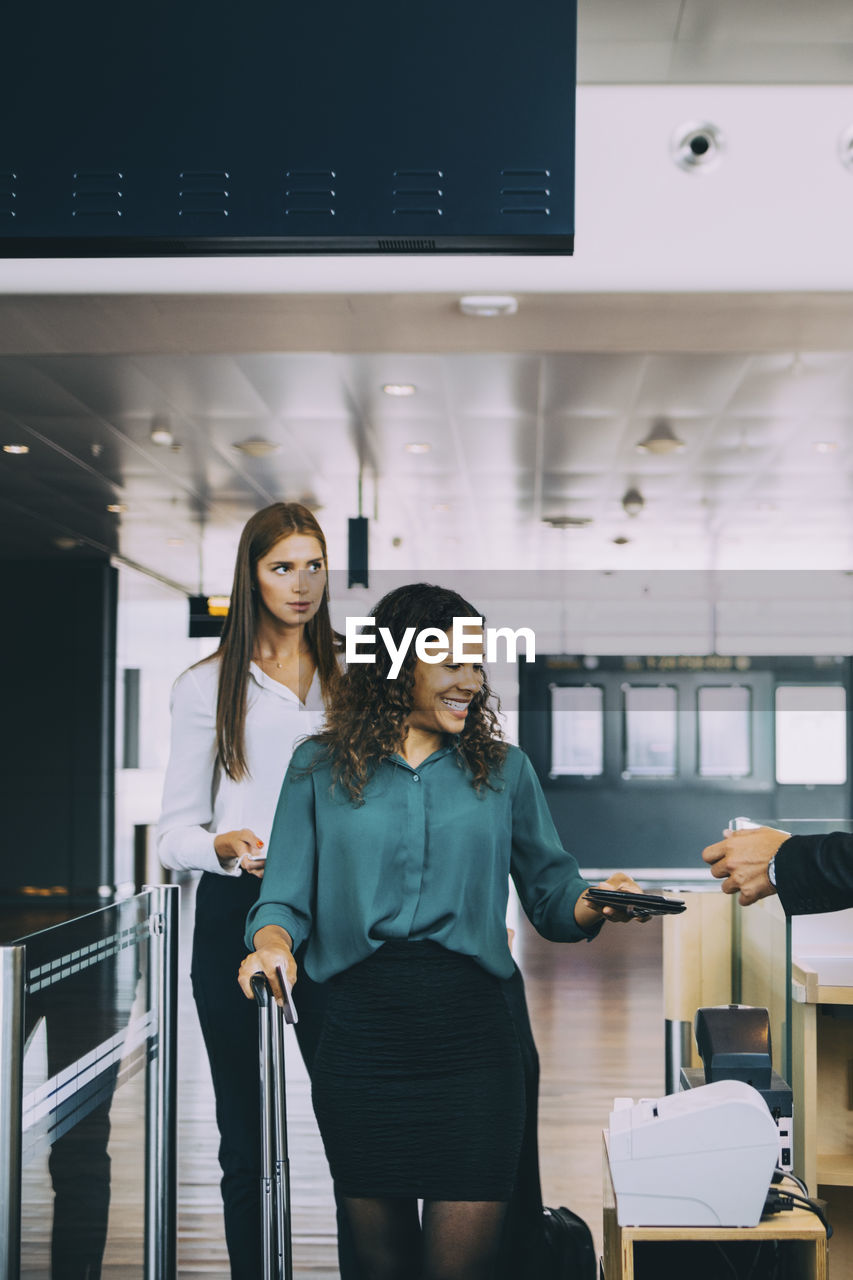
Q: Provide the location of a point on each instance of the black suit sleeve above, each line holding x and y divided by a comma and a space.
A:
815, 873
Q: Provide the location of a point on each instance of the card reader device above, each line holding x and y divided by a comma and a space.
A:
734, 1044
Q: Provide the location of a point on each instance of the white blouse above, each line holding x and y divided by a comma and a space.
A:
200, 801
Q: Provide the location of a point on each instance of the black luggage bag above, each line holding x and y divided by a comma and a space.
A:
565, 1249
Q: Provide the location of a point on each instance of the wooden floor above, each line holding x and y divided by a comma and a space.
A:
597, 1017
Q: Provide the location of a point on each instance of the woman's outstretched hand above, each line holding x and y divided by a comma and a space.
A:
242, 849
587, 914
273, 951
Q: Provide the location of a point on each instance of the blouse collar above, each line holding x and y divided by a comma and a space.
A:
313, 699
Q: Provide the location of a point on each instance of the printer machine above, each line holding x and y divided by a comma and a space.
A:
704, 1157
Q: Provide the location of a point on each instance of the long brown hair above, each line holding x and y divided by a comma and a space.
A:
237, 645
366, 722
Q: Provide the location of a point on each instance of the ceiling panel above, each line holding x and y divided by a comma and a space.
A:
714, 42
500, 386
293, 386
493, 445
685, 385
632, 19
24, 384
594, 384
765, 21
218, 386
507, 448
574, 443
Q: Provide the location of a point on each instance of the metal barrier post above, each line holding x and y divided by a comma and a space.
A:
162, 1090
12, 972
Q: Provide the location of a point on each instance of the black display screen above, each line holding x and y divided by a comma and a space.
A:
182, 127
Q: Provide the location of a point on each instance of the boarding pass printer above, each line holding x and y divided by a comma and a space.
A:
704, 1157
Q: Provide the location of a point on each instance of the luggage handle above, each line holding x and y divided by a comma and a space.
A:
260, 985
275, 1164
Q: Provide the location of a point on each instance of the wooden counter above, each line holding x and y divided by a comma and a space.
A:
658, 1253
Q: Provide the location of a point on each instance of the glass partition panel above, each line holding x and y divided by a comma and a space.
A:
768, 947
762, 972
96, 1178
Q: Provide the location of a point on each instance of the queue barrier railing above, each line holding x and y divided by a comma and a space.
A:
88, 1084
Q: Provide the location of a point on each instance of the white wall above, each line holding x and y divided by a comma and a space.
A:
152, 637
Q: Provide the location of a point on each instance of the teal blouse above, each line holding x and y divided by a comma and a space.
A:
425, 857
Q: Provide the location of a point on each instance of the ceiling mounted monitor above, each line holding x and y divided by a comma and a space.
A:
181, 127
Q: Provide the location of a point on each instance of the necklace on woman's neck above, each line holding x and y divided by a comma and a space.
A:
278, 664
274, 660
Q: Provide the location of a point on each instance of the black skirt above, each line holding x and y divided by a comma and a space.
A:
418, 1084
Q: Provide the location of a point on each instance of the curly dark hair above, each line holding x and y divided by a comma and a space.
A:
366, 720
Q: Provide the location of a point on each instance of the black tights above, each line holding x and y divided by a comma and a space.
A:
457, 1239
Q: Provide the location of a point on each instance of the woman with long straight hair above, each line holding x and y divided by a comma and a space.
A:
235, 719
396, 833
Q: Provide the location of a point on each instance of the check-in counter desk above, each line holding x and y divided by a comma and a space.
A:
663, 1253
801, 970
822, 1069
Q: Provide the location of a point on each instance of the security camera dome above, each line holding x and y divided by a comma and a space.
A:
696, 147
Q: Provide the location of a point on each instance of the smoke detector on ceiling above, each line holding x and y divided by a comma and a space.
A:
488, 304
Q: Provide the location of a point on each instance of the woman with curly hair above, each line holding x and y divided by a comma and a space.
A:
401, 823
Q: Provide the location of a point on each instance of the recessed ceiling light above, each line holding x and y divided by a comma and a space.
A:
161, 432
488, 304
256, 448
65, 543
660, 439
825, 446
174, 542
16, 448
116, 508
567, 522
401, 389
418, 446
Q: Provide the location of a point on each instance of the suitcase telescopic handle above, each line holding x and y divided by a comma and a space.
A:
260, 989
275, 1166
263, 995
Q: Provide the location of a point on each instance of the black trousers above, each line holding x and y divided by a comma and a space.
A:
229, 1024
523, 1220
